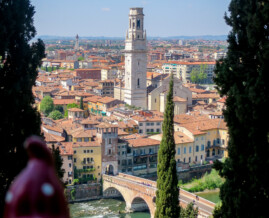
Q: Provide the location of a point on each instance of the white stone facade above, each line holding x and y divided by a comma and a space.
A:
136, 60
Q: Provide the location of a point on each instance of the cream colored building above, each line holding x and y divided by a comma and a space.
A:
157, 97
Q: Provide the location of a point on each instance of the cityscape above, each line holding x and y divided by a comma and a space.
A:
103, 104
122, 87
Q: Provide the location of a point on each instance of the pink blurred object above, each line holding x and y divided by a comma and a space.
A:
37, 191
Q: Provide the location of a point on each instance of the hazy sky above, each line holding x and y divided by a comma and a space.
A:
110, 17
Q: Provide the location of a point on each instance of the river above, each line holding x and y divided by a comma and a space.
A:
114, 208
104, 208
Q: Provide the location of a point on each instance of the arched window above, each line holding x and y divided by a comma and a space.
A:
138, 24
138, 83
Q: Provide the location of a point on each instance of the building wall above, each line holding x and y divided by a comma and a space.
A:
68, 167
91, 152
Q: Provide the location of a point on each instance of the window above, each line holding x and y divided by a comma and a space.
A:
158, 124
190, 149
157, 130
148, 124
140, 124
75, 160
119, 162
152, 124
201, 157
185, 151
140, 131
123, 153
88, 151
152, 130
91, 151
138, 24
178, 151
208, 143
202, 147
196, 158
109, 151
75, 151
69, 157
138, 83
88, 159
189, 159
70, 165
79, 139
197, 148
84, 151
148, 130
223, 141
86, 139
184, 160
178, 160
197, 138
109, 141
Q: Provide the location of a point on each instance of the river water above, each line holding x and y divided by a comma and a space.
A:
104, 208
114, 208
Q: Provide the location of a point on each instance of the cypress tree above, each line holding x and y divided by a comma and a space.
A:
167, 203
18, 71
243, 76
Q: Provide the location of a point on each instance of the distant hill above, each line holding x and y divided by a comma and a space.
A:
205, 37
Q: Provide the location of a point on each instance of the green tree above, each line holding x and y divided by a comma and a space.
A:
189, 211
59, 108
58, 162
18, 72
243, 77
198, 75
46, 105
167, 203
73, 105
81, 106
56, 115
80, 58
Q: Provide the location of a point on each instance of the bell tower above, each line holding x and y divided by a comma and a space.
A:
136, 60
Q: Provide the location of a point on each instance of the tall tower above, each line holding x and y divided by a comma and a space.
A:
136, 60
76, 43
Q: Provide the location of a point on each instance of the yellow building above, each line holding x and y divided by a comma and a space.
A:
87, 160
129, 126
215, 138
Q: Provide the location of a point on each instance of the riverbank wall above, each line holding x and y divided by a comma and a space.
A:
83, 192
185, 175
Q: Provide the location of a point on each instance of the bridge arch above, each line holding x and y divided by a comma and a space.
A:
113, 193
143, 203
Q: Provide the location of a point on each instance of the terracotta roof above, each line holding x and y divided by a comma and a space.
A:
84, 133
75, 110
66, 148
53, 138
178, 99
63, 101
53, 128
143, 142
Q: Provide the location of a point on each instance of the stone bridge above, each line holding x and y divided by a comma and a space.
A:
139, 194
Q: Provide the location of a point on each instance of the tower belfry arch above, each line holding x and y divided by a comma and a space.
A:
136, 60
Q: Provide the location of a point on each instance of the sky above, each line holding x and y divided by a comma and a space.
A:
110, 17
